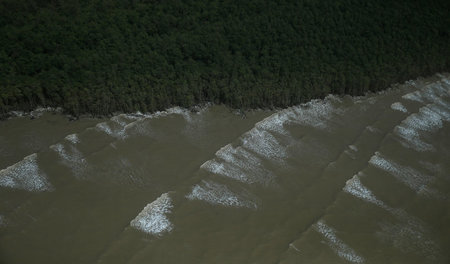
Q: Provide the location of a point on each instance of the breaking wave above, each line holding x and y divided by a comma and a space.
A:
239, 164
152, 219
264, 144
410, 177
338, 246
429, 119
357, 189
122, 125
25, 175
71, 157
431, 93
219, 194
410, 235
73, 138
399, 107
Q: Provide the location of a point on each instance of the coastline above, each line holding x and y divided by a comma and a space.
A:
40, 110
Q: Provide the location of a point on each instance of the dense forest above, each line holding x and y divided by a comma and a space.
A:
102, 56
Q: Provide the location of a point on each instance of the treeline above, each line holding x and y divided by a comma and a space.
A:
101, 56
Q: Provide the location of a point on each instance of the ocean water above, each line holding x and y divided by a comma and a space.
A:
339, 180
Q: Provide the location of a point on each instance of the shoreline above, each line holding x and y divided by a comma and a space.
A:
40, 110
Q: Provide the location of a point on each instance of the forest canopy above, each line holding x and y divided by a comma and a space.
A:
102, 56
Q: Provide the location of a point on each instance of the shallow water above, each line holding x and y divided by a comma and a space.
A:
339, 180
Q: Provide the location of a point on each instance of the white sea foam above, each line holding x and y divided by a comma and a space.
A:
117, 129
353, 147
17, 113
410, 235
261, 141
71, 157
121, 119
413, 96
227, 170
246, 163
134, 121
410, 177
372, 100
428, 119
411, 83
73, 138
180, 111
399, 107
275, 122
445, 80
373, 129
25, 175
174, 110
442, 109
431, 93
239, 164
357, 189
338, 246
350, 154
74, 155
351, 151
264, 144
103, 126
152, 219
36, 113
291, 245
216, 193
315, 113
411, 139
119, 124
425, 120
431, 167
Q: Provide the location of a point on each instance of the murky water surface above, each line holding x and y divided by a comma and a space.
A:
340, 180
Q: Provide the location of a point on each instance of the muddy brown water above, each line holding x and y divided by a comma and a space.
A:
340, 180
